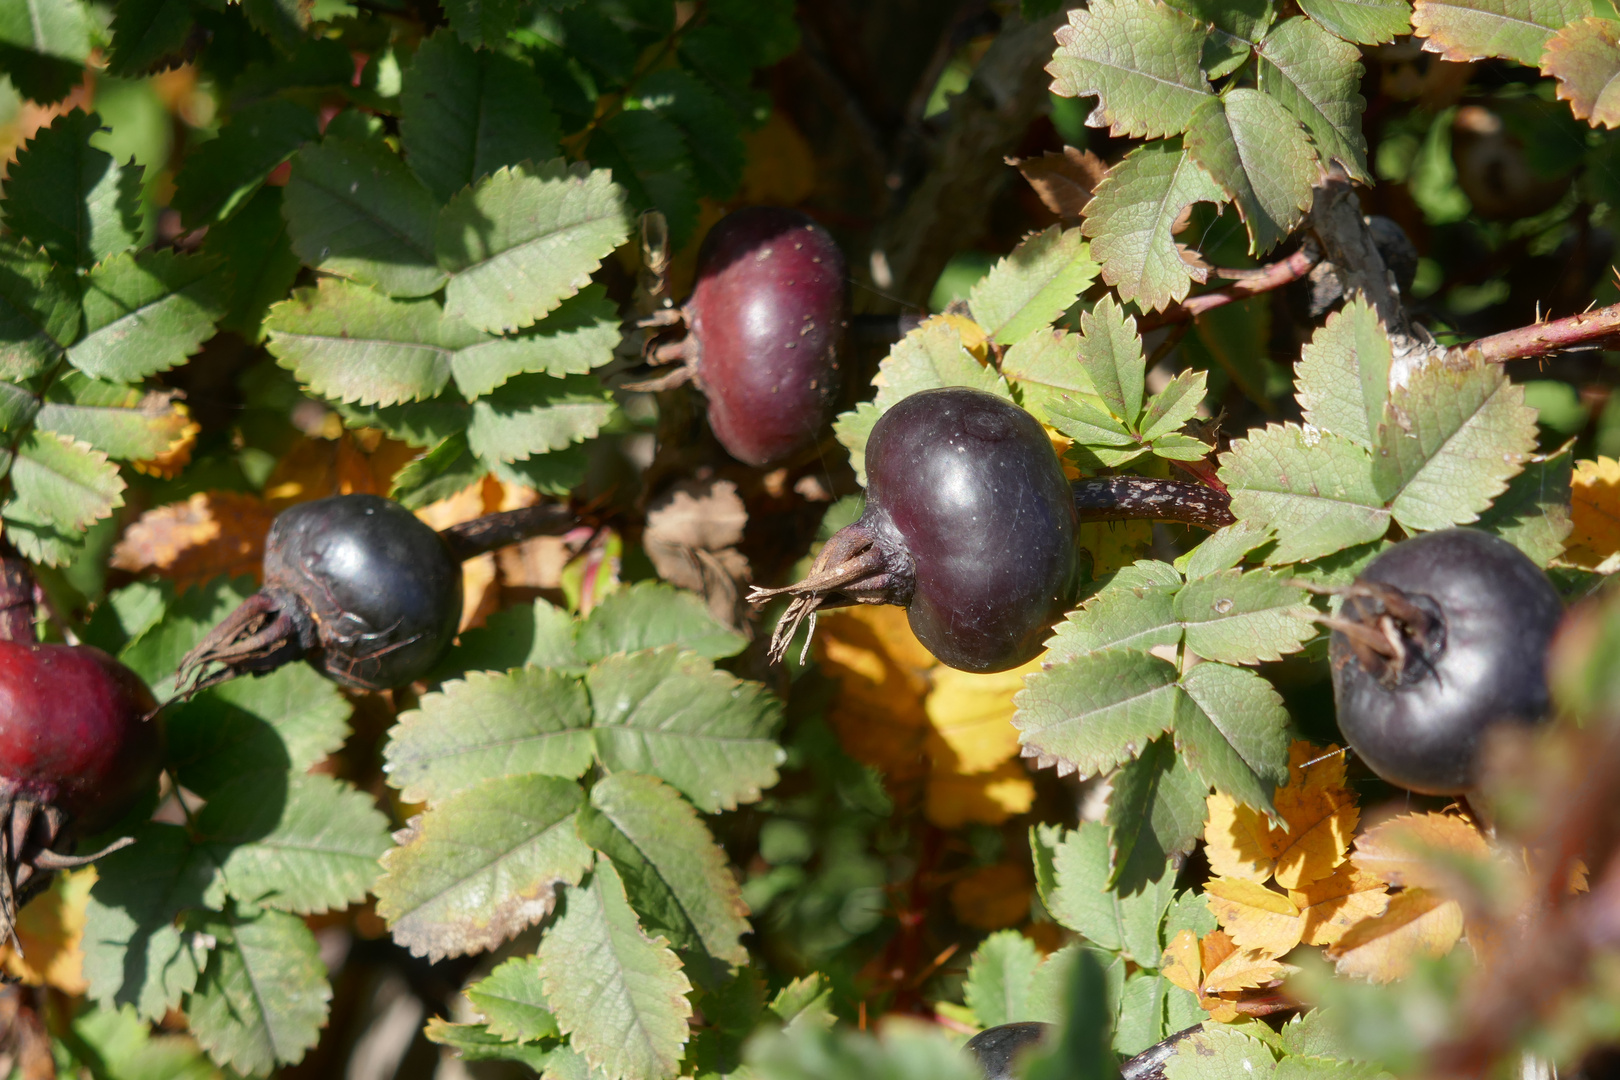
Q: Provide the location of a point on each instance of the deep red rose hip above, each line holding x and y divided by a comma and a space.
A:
765, 324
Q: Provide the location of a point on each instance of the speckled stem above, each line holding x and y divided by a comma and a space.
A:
1141, 498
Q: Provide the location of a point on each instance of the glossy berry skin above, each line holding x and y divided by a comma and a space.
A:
74, 731
1497, 612
968, 486
998, 1049
380, 587
765, 325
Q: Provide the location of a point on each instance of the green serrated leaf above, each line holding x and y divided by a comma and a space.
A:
711, 127
1219, 1053
540, 635
1585, 59
1316, 76
1314, 488
853, 429
1453, 437
1172, 407
146, 312
474, 1042
17, 407
525, 239
437, 474
349, 342
1033, 286
1045, 368
1131, 219
354, 209
1223, 549
1232, 730
135, 1051
1365, 22
1000, 977
577, 337
529, 415
134, 954
618, 994
263, 998
1155, 810
39, 311
1240, 618
258, 259
120, 421
1533, 513
423, 423
57, 28
38, 538
466, 113
1255, 151
221, 175
1463, 30
1343, 374
648, 154
69, 197
148, 35
300, 843
482, 865
670, 714
512, 1003
1109, 920
531, 720
555, 473
1140, 59
286, 720
1245, 19
675, 874
69, 484
1111, 353
1121, 616
1141, 1018
651, 615
1093, 712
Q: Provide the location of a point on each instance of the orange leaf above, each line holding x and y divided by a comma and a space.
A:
1320, 815
51, 929
1416, 923
1182, 963
177, 455
1259, 919
1245, 971
1595, 509
211, 533
1402, 849
1333, 905
971, 717
1215, 948
994, 897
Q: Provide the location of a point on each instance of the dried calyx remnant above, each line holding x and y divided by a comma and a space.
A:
361, 588
1396, 636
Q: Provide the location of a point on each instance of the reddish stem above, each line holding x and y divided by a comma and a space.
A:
1251, 283
1543, 338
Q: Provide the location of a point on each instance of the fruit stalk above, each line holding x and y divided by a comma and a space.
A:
1142, 498
473, 538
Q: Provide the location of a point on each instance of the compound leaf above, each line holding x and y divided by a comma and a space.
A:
1316, 77
1093, 712
650, 615
1240, 618
1232, 730
577, 337
1316, 489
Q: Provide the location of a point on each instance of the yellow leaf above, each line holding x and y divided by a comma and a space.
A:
971, 717
51, 929
1595, 509
1181, 963
1115, 545
994, 897
974, 339
989, 798
1402, 850
1318, 810
1245, 971
1333, 905
1258, 919
878, 713
1416, 923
